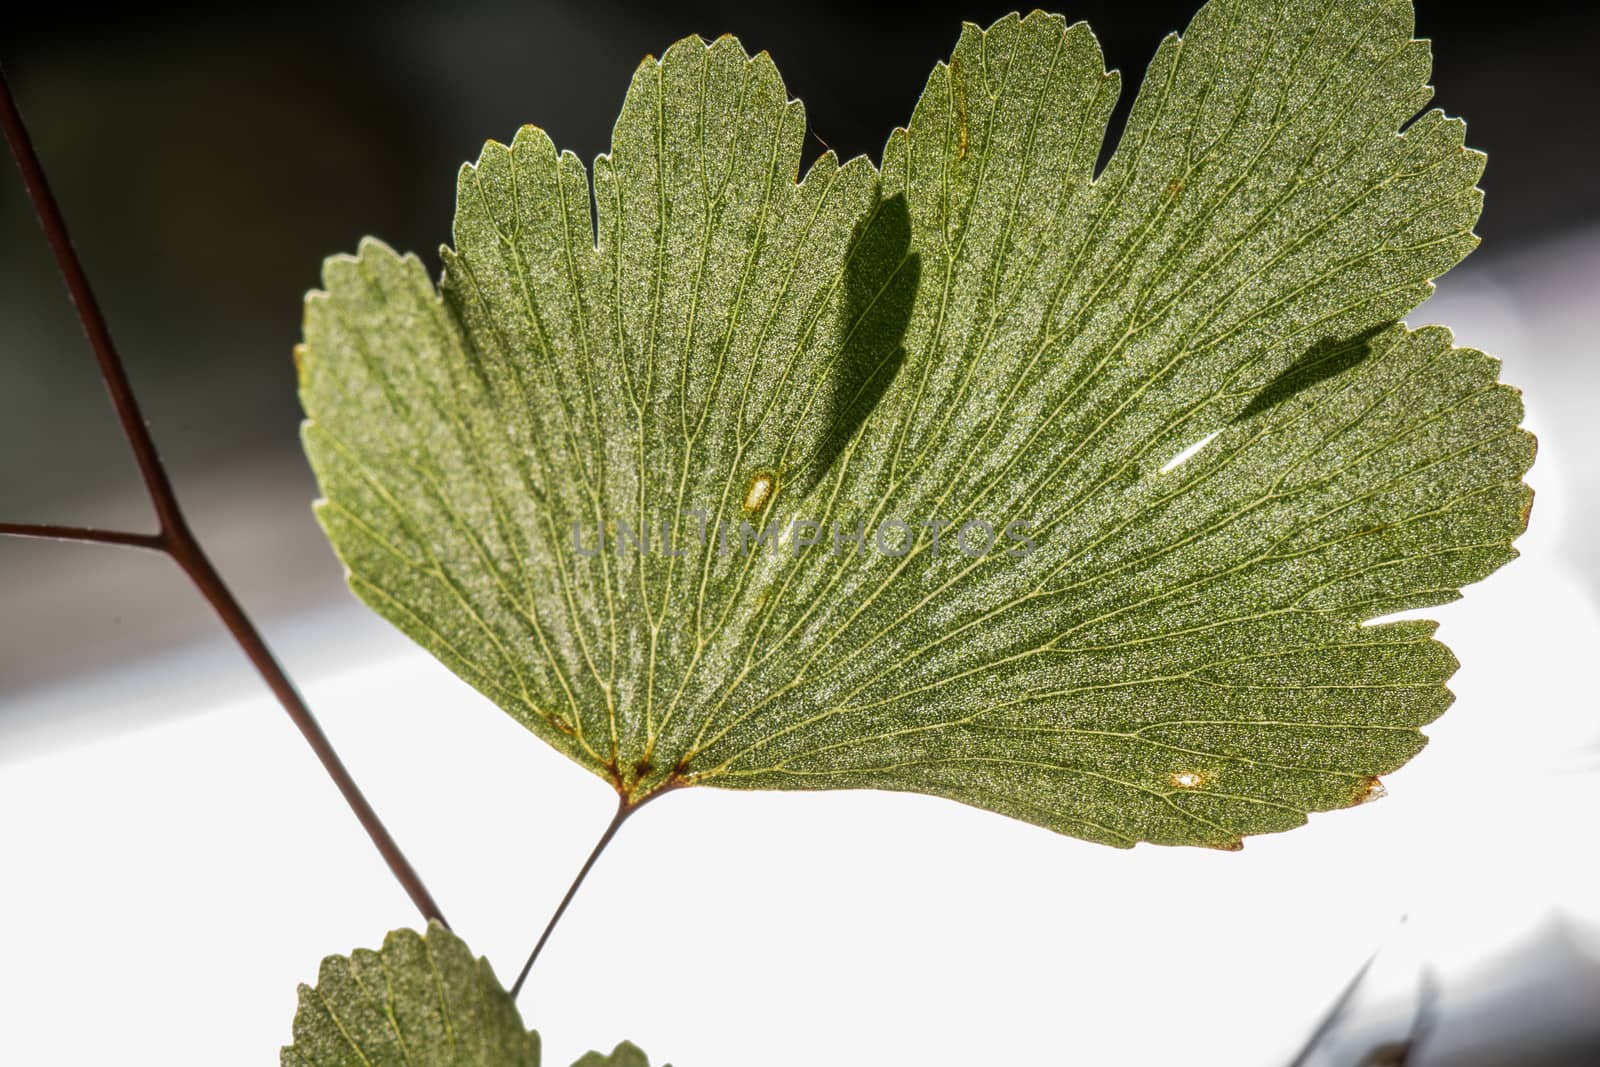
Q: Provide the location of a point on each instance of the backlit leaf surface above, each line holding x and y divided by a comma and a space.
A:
1134, 457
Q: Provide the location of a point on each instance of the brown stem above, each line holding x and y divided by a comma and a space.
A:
47, 532
625, 808
175, 538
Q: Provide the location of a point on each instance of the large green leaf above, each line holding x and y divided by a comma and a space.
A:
1161, 643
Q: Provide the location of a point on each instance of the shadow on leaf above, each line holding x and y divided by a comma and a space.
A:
1320, 362
880, 288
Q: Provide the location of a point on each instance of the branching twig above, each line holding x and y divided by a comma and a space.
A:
175, 538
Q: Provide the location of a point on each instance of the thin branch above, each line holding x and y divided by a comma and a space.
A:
175, 538
89, 314
1406, 1051
1427, 1016
624, 809
1337, 1010
154, 542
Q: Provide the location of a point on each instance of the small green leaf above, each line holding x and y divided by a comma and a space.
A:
1133, 458
626, 1054
421, 1000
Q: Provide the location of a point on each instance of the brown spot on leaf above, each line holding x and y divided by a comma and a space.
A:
1370, 789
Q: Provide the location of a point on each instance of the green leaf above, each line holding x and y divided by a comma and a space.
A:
421, 1000
1161, 642
626, 1054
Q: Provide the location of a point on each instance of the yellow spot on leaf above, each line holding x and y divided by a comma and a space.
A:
961, 108
1187, 779
759, 491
